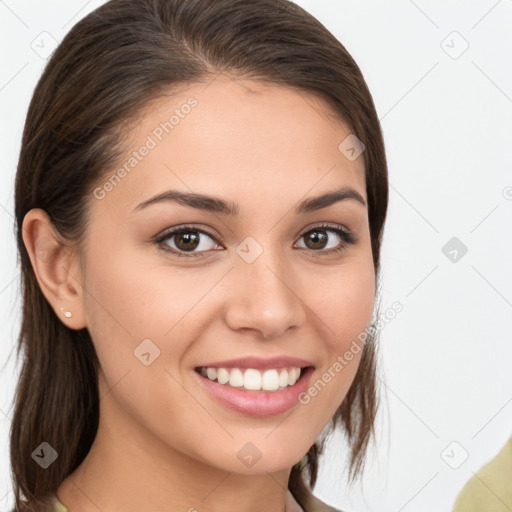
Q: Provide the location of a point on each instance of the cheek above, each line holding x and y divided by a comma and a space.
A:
134, 309
130, 300
351, 305
344, 301
342, 309
127, 295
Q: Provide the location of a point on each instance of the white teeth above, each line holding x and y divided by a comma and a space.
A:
252, 379
270, 380
222, 375
283, 378
236, 378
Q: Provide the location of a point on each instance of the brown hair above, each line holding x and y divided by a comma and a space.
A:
107, 69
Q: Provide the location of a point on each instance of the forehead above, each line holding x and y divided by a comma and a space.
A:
242, 138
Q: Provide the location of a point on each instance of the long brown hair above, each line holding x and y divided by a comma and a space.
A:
106, 70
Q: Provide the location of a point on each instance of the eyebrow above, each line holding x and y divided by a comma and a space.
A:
218, 205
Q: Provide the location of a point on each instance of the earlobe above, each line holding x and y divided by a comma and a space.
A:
67, 314
55, 266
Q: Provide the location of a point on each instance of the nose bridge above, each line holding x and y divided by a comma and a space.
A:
264, 298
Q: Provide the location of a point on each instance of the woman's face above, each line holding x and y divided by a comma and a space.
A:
262, 282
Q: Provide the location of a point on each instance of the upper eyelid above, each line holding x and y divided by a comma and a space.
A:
173, 230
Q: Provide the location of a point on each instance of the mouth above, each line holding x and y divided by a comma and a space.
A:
253, 379
253, 391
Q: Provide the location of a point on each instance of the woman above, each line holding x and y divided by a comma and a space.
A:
200, 201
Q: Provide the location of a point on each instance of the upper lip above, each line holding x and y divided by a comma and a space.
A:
259, 363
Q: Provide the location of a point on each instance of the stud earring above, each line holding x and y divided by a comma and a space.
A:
67, 314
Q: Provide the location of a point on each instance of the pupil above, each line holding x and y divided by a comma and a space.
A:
190, 240
317, 237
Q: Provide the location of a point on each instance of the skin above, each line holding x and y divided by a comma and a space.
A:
163, 443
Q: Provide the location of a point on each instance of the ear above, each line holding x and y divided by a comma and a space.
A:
56, 267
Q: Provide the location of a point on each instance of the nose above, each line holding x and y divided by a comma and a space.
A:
263, 297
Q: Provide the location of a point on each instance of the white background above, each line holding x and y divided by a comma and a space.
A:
446, 117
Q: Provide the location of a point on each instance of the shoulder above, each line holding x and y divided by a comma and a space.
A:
489, 488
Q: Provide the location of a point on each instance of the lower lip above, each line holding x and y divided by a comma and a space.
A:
257, 403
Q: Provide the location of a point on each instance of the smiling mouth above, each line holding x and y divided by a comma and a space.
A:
252, 379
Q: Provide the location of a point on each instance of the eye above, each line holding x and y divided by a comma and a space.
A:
317, 238
187, 240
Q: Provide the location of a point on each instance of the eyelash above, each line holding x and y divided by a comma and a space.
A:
346, 236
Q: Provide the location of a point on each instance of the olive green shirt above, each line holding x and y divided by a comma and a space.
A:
490, 489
